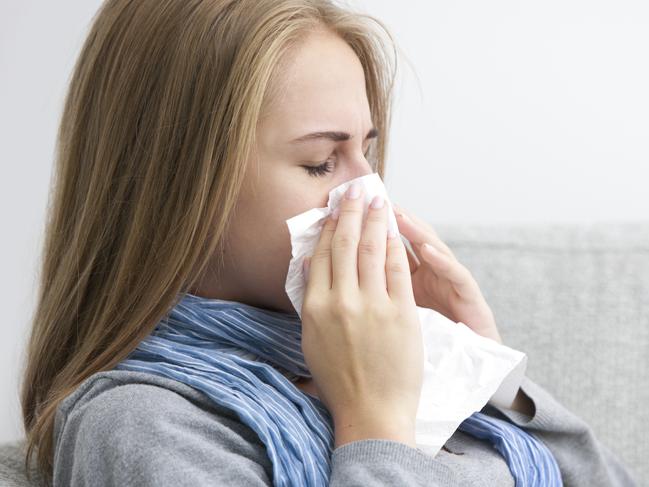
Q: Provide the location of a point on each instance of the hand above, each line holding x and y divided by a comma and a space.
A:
440, 282
361, 334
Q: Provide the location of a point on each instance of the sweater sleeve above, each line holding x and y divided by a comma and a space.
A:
144, 435
582, 459
380, 462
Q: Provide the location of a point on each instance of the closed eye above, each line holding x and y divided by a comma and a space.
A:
325, 167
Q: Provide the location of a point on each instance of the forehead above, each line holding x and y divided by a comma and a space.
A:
321, 85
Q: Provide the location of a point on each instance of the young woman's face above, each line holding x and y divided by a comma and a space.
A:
322, 89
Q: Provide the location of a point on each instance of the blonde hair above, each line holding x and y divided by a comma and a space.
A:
157, 127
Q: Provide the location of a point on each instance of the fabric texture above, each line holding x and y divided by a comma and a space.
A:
197, 343
124, 428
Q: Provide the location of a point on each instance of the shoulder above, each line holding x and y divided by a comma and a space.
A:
127, 396
139, 421
125, 387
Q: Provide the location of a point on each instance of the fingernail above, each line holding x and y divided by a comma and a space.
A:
377, 202
353, 191
391, 233
335, 213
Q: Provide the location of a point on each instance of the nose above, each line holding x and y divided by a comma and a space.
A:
361, 167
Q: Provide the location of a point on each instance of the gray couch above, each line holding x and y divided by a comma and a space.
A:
575, 298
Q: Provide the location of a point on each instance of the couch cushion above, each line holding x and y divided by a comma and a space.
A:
575, 298
12, 466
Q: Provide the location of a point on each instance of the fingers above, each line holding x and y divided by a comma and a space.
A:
344, 244
372, 249
438, 256
319, 278
418, 231
397, 270
451, 269
349, 256
413, 260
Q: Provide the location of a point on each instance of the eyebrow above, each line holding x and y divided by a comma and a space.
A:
335, 136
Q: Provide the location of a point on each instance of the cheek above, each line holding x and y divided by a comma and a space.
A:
300, 199
283, 194
259, 251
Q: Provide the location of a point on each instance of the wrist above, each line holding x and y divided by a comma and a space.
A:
356, 428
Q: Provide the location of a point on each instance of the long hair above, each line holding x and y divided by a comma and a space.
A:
157, 126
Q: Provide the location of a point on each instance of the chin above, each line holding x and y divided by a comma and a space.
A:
280, 304
283, 305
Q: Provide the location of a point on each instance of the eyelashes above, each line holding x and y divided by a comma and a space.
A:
320, 170
324, 168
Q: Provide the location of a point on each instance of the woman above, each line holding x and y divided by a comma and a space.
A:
185, 143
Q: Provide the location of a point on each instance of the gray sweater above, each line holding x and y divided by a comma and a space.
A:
123, 428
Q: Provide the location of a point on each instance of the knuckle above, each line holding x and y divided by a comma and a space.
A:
312, 307
459, 265
329, 227
395, 243
381, 312
344, 241
398, 267
321, 253
375, 216
351, 208
467, 273
368, 247
345, 307
396, 249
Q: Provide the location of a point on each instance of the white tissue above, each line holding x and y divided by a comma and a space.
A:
462, 370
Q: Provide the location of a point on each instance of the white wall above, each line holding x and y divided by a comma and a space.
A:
523, 112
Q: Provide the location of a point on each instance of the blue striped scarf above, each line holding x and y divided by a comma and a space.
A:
245, 358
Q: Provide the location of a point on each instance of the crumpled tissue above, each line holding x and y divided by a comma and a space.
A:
462, 370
